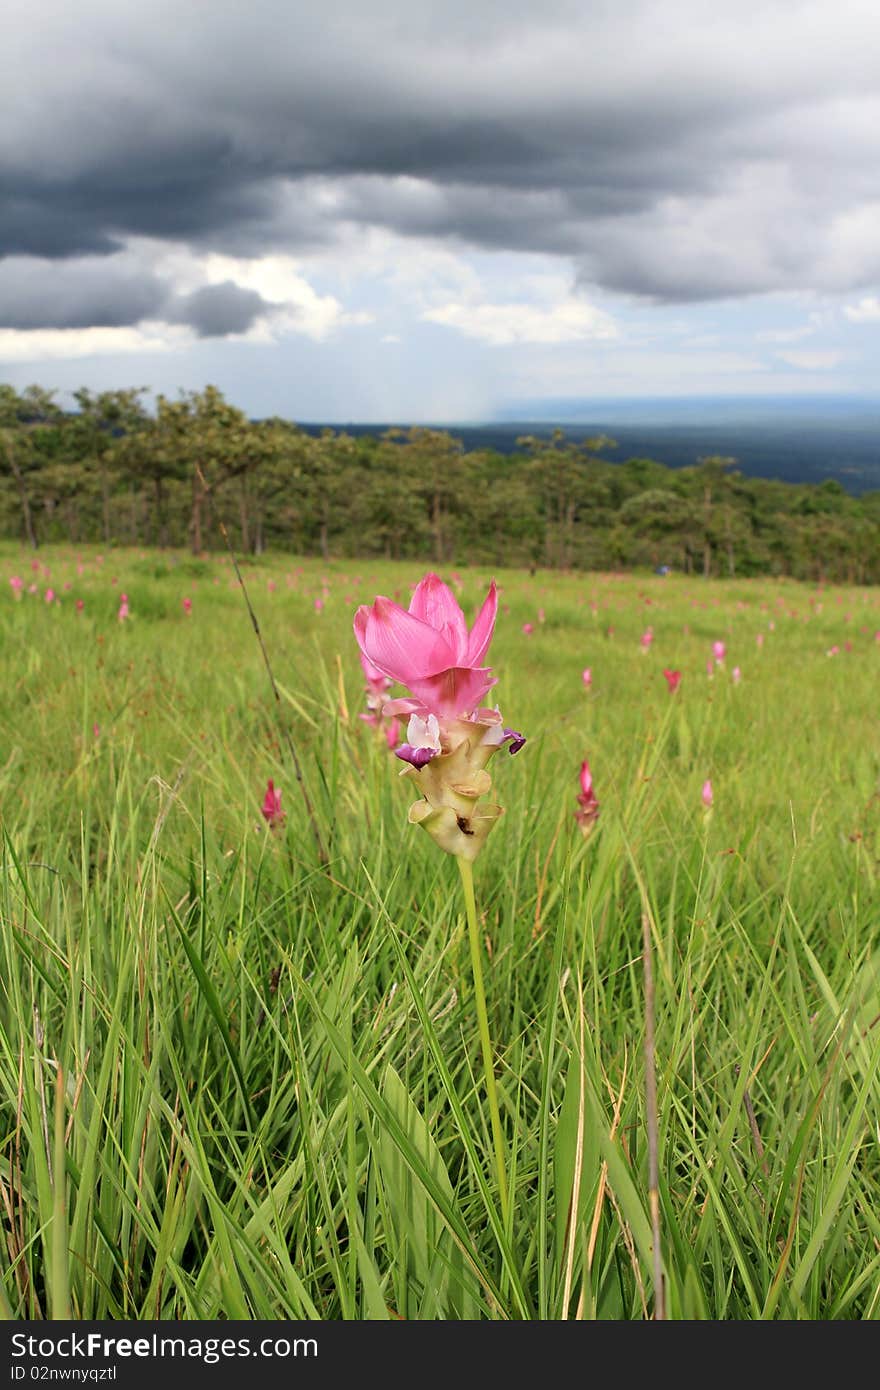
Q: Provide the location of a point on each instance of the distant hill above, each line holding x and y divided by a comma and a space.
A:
792, 440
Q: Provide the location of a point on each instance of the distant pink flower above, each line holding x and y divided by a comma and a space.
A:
80, 605
32, 589
49, 596
35, 565
719, 651
673, 680
271, 586
96, 730
528, 629
319, 604
18, 584
428, 647
647, 638
587, 677
187, 606
271, 808
123, 608
541, 618
588, 806
710, 670
736, 675
832, 651
707, 793
760, 639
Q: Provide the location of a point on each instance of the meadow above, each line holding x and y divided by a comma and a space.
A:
242, 1079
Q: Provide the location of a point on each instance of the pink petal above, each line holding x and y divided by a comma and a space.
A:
402, 646
586, 779
434, 603
481, 632
456, 691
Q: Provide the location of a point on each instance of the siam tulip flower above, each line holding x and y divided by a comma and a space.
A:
760, 639
17, 584
96, 730
123, 608
319, 604
528, 629
647, 638
541, 617
35, 566
378, 686
710, 670
271, 808
736, 675
833, 651
673, 680
587, 677
588, 806
187, 606
49, 596
719, 651
706, 794
450, 735
32, 589
80, 605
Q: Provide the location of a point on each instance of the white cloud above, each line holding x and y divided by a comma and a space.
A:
567, 321
813, 361
867, 310
53, 344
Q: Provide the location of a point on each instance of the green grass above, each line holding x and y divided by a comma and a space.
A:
237, 1083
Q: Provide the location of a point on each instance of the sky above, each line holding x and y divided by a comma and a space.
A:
413, 211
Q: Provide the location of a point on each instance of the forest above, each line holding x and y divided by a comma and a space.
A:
117, 472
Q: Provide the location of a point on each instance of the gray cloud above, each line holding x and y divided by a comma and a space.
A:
673, 151
77, 294
218, 310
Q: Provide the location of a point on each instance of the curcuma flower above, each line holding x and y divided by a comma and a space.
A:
450, 736
588, 806
271, 808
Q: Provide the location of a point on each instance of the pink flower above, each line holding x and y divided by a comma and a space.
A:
428, 648
271, 808
647, 638
707, 793
187, 606
736, 675
18, 584
49, 596
832, 651
123, 608
319, 604
587, 677
528, 629
541, 618
588, 806
719, 651
760, 639
96, 730
80, 605
673, 680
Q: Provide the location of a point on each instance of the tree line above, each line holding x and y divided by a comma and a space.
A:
118, 473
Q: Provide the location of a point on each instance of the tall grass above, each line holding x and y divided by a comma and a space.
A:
236, 1082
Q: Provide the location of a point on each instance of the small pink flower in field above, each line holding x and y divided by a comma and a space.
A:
877, 635
187, 606
588, 806
49, 596
673, 680
271, 808
32, 589
80, 568
719, 651
392, 733
587, 677
736, 675
847, 646
528, 629
541, 617
319, 604
772, 625
710, 670
760, 639
647, 638
271, 586
706, 794
17, 584
35, 566
96, 730
80, 605
833, 651
67, 585
123, 608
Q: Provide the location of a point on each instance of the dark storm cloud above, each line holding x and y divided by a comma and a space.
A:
94, 294
646, 139
219, 310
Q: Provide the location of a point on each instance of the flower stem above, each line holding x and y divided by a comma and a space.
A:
467, 880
